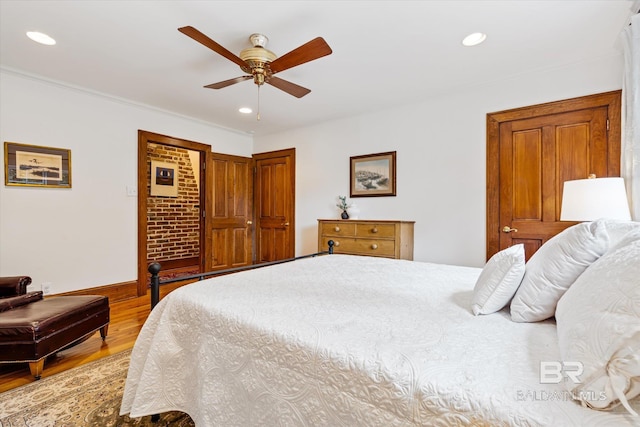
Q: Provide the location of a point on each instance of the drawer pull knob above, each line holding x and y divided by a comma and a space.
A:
374, 246
336, 243
374, 230
337, 228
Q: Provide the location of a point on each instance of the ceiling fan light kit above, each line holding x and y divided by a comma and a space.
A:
258, 58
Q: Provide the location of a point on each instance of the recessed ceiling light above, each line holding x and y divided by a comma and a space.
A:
474, 39
245, 110
41, 38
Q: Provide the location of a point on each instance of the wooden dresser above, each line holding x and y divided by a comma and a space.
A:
389, 239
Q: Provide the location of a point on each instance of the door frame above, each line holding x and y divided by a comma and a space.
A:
144, 138
611, 100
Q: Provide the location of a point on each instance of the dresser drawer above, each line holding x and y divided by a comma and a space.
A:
338, 228
371, 247
380, 231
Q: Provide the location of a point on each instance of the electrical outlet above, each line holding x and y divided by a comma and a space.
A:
46, 288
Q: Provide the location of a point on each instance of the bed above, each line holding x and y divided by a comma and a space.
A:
342, 340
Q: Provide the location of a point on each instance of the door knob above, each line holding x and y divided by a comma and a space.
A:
286, 224
507, 229
249, 222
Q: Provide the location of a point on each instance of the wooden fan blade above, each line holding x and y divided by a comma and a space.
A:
229, 82
290, 88
206, 41
316, 48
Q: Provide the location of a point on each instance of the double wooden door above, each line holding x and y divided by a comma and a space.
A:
532, 151
252, 209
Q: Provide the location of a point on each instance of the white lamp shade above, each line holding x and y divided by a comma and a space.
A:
591, 199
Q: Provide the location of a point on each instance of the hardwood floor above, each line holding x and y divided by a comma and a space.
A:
126, 320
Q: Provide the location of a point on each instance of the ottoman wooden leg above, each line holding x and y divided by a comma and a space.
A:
36, 368
103, 332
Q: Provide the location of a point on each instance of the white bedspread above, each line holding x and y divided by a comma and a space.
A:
347, 341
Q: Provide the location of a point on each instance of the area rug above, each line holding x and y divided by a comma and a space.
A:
88, 395
176, 274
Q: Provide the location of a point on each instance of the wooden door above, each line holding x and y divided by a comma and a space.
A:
532, 151
230, 224
275, 205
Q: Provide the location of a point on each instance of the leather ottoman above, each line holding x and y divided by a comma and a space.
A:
33, 331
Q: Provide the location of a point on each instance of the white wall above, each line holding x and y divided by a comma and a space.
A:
440, 146
85, 236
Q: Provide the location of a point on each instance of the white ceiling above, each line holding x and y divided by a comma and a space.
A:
385, 53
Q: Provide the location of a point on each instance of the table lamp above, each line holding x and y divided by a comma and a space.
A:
594, 198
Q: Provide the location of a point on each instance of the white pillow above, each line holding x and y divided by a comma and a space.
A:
554, 267
598, 322
498, 280
617, 229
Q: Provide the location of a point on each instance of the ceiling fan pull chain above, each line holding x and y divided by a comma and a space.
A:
258, 115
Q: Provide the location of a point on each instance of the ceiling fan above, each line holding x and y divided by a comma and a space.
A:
261, 64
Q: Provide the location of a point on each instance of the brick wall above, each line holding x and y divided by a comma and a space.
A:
173, 223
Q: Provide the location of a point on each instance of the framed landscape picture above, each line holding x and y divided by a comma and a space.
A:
373, 175
35, 166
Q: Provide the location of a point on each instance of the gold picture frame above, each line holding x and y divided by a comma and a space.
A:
373, 175
35, 166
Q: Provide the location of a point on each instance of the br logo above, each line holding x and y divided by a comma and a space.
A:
553, 372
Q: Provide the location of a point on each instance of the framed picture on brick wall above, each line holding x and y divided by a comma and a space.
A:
164, 179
